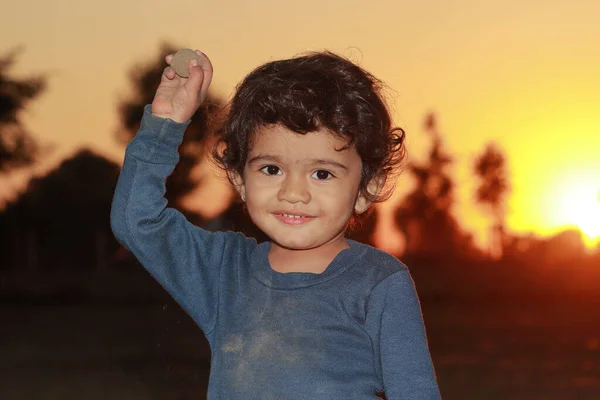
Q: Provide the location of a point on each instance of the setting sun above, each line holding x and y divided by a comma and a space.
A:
577, 202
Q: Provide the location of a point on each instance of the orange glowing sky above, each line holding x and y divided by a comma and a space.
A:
524, 74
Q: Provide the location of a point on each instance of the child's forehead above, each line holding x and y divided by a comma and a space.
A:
279, 139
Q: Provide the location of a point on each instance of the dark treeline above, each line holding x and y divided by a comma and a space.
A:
60, 221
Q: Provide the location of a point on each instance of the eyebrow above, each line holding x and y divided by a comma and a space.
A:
264, 157
313, 161
321, 161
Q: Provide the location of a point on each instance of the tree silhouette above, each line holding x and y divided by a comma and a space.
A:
490, 168
425, 215
145, 80
62, 219
17, 147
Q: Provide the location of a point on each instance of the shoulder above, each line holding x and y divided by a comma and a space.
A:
233, 241
373, 275
373, 268
376, 262
222, 247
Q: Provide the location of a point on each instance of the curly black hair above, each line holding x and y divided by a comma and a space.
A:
307, 93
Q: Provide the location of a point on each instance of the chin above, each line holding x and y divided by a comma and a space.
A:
303, 242
295, 243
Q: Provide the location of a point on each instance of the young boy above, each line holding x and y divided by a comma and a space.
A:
308, 144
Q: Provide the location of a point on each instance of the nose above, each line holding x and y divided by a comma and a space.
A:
294, 189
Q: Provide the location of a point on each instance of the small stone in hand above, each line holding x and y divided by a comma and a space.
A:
181, 60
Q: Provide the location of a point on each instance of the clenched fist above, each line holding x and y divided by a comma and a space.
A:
178, 98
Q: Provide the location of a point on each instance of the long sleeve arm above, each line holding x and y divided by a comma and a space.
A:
405, 362
183, 258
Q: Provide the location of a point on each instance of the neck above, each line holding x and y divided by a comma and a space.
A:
313, 260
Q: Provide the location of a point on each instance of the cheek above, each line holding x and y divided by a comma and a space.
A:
341, 200
257, 192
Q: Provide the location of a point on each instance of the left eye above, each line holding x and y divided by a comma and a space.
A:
322, 175
271, 170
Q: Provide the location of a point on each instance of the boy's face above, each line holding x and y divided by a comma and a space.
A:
299, 189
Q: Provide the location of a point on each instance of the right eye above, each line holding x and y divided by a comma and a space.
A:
271, 170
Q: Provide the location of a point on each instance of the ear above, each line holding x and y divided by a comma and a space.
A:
374, 187
238, 182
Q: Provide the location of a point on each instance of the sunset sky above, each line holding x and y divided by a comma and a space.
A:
525, 74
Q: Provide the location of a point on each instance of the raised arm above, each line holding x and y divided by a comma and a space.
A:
183, 258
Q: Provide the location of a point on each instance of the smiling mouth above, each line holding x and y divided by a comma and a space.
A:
293, 219
292, 215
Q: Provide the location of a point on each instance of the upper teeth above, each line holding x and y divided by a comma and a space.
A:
292, 216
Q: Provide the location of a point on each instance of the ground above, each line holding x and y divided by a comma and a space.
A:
130, 343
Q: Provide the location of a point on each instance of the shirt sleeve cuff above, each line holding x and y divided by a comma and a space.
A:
163, 130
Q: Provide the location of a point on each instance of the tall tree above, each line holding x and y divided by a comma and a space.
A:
425, 216
490, 168
17, 148
144, 81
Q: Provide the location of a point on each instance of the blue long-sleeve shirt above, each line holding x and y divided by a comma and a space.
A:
347, 333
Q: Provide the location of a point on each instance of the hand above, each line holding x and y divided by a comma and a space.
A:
178, 98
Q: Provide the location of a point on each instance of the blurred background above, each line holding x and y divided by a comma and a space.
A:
497, 212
